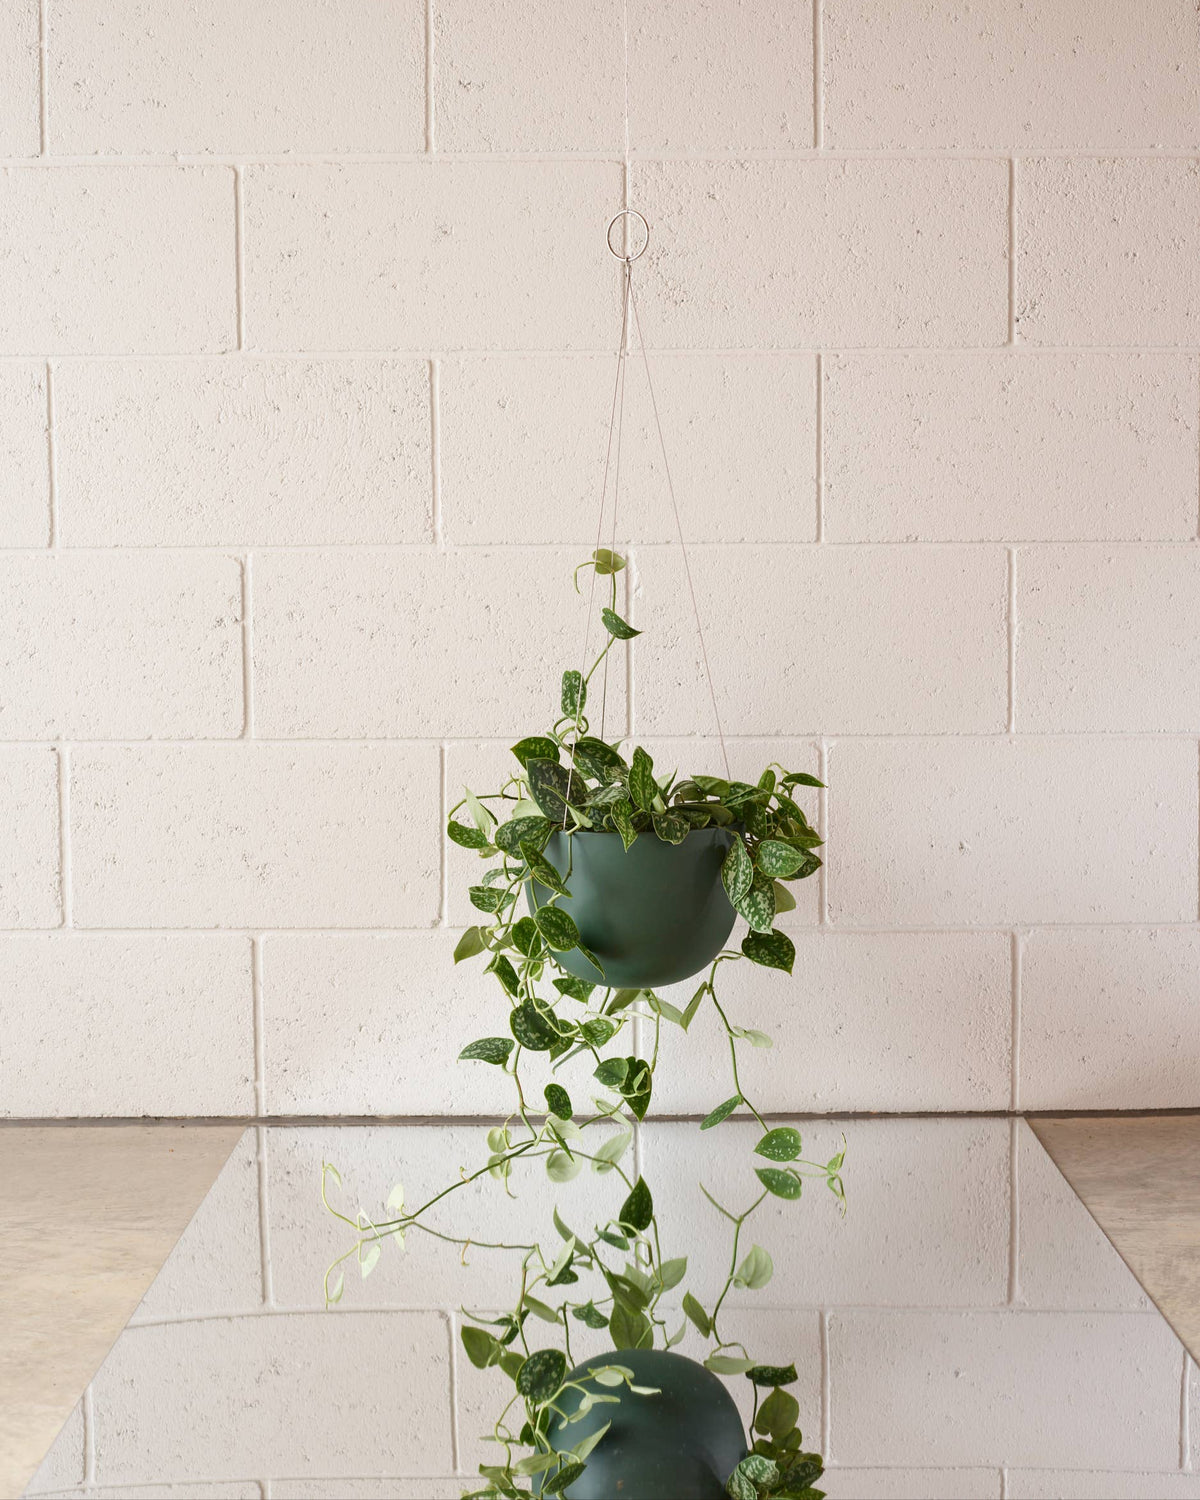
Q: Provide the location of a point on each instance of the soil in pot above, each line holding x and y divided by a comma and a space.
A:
654, 914
681, 1444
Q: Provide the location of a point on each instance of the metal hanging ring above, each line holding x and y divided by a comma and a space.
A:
627, 213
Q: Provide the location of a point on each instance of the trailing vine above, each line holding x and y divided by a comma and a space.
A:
613, 1278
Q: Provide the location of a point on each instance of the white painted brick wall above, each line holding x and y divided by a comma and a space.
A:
306, 333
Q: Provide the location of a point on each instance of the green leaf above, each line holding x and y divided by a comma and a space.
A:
558, 1101
506, 974
693, 1006
755, 1271
638, 1209
532, 830
607, 561
760, 1470
737, 872
801, 778
757, 905
536, 747
469, 838
671, 827
810, 865
542, 870
532, 1029
784, 900
557, 928
740, 1486
621, 814
598, 759
576, 989
727, 1364
484, 820
489, 1049
612, 1072
772, 1374
776, 858
551, 786
696, 1315
629, 1329
482, 1349
469, 944
780, 1144
643, 788
585, 1445
712, 786
672, 1272
778, 1414
598, 1031
783, 1184
560, 1167
617, 627
610, 1152
568, 1474
590, 1314
722, 1112
542, 1374
774, 950
574, 693
526, 937
487, 898
620, 1001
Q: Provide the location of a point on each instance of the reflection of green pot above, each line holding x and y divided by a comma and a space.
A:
654, 914
681, 1444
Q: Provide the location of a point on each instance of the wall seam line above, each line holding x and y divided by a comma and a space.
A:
1014, 1213
1185, 1416
826, 1384
51, 460
89, 1437
430, 122
43, 69
65, 901
1011, 631
239, 258
435, 453
1016, 954
1012, 250
818, 20
820, 438
256, 998
264, 1206
247, 648
443, 849
455, 1443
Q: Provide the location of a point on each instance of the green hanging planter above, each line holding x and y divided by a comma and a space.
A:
654, 914
681, 1444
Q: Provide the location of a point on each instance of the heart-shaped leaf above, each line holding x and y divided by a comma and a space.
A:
642, 786
489, 1049
780, 1144
638, 1208
722, 1112
737, 872
557, 928
541, 1375
774, 950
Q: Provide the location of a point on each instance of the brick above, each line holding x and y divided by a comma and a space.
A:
803, 640
63, 1466
538, 77
420, 255
1007, 831
419, 644
1108, 251
1065, 1484
25, 496
254, 835
1064, 1260
1106, 639
216, 1267
1108, 1019
20, 131
523, 444
990, 447
800, 254
229, 78
29, 870
1056, 74
85, 277
940, 1186
891, 1021
424, 1159
232, 1396
253, 453
120, 646
136, 1024
915, 1484
702, 78
338, 1014
1022, 1389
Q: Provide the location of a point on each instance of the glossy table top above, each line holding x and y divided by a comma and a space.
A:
966, 1330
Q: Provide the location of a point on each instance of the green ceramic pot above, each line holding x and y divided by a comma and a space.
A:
654, 914
679, 1445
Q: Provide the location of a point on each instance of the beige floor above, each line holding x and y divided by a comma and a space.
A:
1139, 1178
88, 1214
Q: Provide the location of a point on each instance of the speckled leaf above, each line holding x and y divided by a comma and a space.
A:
532, 1029
558, 1101
783, 1184
467, 837
576, 989
489, 1049
774, 950
722, 1112
642, 786
550, 785
536, 747
622, 818
620, 629
598, 759
737, 872
757, 905
780, 1144
506, 974
535, 831
574, 693
557, 928
542, 1374
672, 828
772, 1374
638, 1209
541, 869
778, 859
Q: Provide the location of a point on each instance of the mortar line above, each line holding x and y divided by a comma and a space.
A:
264, 1232
64, 835
1014, 1213
818, 75
823, 819
435, 453
455, 1444
43, 68
625, 72
1003, 1482
89, 1437
256, 995
247, 647
239, 258
1015, 957
826, 1383
430, 140
820, 457
51, 458
1012, 250
1198, 844
1011, 625
1185, 1416
948, 352
443, 853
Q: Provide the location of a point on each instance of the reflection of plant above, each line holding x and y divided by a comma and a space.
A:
572, 782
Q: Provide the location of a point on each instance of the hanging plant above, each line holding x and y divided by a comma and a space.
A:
607, 880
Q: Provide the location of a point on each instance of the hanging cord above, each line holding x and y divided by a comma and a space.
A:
687, 567
622, 367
